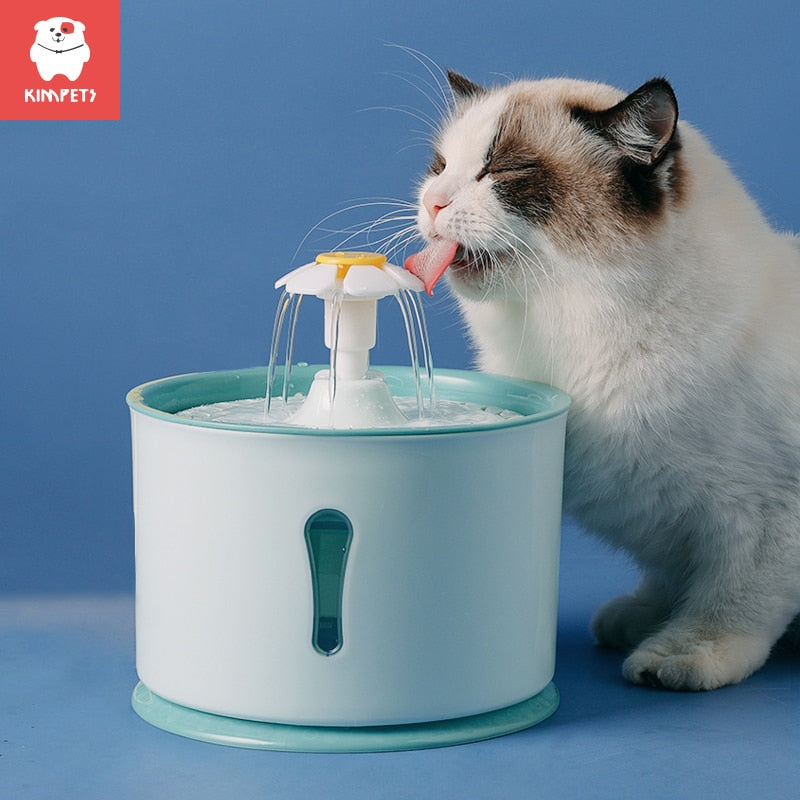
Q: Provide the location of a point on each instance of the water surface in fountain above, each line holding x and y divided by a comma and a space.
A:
445, 413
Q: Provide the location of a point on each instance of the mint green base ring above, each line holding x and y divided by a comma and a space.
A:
324, 739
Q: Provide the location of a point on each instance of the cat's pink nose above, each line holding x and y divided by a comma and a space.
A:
434, 202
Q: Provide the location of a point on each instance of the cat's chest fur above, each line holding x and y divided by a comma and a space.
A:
676, 397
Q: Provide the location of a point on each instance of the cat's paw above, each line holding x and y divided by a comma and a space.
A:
626, 621
693, 663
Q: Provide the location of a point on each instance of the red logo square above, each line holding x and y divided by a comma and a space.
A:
60, 60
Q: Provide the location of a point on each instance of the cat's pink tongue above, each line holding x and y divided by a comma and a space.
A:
429, 264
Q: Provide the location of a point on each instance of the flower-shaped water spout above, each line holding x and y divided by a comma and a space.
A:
350, 284
355, 275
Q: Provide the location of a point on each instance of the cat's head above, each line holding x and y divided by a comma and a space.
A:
544, 172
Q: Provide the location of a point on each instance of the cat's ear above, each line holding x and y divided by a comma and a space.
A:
643, 124
463, 88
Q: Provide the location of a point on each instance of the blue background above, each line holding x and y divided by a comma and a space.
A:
142, 248
147, 247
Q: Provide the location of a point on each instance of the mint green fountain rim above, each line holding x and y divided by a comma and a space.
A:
165, 397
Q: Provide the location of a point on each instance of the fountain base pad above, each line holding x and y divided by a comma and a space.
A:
256, 735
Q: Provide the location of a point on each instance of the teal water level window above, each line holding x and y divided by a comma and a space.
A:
328, 536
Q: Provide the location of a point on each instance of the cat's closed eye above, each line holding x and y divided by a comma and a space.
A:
521, 166
506, 166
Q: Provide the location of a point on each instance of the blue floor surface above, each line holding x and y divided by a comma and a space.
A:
67, 728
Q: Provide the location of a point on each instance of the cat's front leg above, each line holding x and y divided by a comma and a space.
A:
688, 658
624, 622
724, 628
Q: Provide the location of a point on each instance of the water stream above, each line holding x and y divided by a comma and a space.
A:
419, 349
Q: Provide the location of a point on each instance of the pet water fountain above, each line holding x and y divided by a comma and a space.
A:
344, 570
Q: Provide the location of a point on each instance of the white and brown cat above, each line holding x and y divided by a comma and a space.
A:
596, 243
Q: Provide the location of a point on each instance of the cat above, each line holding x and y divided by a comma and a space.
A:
596, 243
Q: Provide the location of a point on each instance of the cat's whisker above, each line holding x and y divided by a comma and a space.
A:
400, 213
429, 91
399, 241
384, 244
426, 119
437, 76
524, 253
390, 241
526, 257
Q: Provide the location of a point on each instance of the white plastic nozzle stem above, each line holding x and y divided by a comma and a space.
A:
350, 284
350, 329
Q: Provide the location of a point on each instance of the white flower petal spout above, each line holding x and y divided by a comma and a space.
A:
349, 394
320, 281
366, 281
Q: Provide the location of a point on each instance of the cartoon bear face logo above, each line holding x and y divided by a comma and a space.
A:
60, 48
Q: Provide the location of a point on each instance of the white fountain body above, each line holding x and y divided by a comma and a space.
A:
347, 587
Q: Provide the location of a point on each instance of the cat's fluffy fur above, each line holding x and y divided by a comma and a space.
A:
605, 248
